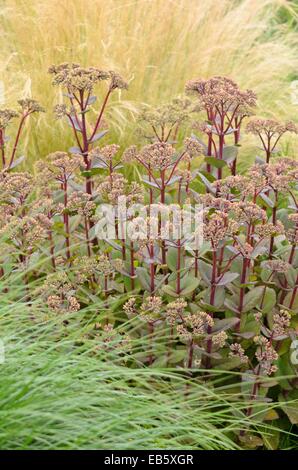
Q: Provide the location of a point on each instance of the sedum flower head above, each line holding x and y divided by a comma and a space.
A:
30, 106
236, 350
76, 78
15, 187
130, 154
193, 147
281, 322
60, 165
130, 307
150, 308
220, 92
81, 203
111, 189
219, 339
195, 325
248, 212
270, 127
158, 155
265, 354
6, 116
116, 81
217, 226
175, 310
269, 229
106, 153
277, 265
60, 110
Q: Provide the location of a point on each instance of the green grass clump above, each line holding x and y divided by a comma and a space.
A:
58, 394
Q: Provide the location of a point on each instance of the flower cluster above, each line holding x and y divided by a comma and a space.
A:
6, 116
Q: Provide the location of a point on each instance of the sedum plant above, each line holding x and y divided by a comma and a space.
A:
78, 85
229, 303
27, 106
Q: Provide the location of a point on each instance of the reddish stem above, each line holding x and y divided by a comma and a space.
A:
132, 266
17, 139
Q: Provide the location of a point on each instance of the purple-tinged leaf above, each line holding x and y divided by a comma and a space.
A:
227, 278
75, 150
17, 162
91, 100
98, 136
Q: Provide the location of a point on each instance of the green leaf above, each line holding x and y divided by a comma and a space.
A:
230, 153
219, 296
167, 289
291, 276
207, 183
272, 437
75, 150
269, 300
252, 298
285, 369
290, 407
267, 200
216, 162
288, 301
150, 183
227, 279
172, 259
98, 136
192, 284
76, 123
260, 161
224, 324
91, 99
144, 278
205, 271
17, 162
231, 304
250, 441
